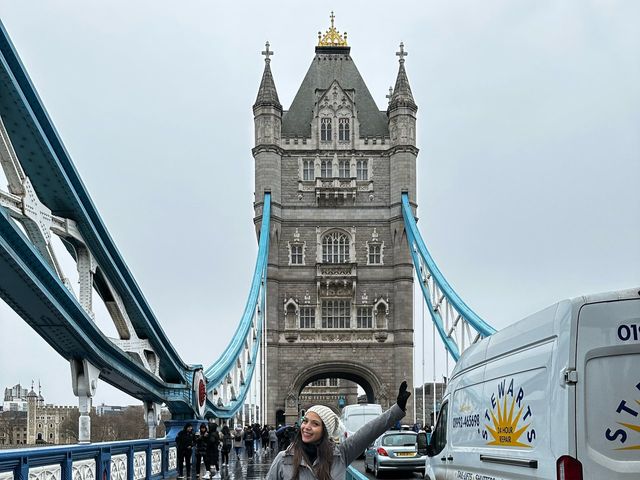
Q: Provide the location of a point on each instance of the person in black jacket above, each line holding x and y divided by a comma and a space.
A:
248, 441
212, 448
184, 444
202, 439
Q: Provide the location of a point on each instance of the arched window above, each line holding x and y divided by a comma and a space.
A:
362, 170
325, 129
335, 248
326, 169
343, 129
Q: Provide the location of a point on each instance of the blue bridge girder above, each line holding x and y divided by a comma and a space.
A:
36, 293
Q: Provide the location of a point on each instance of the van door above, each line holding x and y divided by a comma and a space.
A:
608, 390
441, 454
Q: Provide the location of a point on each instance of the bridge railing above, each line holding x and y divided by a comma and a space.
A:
131, 460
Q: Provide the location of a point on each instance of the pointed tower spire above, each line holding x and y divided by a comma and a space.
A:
402, 96
267, 94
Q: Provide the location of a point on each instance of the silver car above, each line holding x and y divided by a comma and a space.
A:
393, 450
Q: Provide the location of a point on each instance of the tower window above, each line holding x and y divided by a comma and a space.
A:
375, 257
296, 255
335, 248
336, 314
325, 169
345, 171
307, 317
307, 170
325, 129
362, 170
365, 317
343, 129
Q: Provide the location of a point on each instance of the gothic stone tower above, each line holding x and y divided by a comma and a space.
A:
340, 280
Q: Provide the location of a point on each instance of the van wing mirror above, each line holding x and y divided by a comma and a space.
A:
421, 443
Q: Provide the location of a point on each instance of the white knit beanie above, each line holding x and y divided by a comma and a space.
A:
328, 417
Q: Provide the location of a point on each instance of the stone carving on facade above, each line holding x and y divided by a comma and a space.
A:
119, 467
83, 470
292, 400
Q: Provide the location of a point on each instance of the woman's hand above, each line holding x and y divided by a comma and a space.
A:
403, 396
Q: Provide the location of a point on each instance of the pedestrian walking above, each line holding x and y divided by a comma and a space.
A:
264, 439
201, 450
273, 439
314, 456
213, 446
248, 441
184, 445
227, 443
238, 435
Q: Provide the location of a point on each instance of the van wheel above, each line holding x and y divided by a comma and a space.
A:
366, 467
376, 471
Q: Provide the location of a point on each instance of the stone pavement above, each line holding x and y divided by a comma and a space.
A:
252, 468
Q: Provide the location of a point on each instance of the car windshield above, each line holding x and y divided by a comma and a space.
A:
399, 440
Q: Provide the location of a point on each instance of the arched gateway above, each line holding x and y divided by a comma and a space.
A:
340, 277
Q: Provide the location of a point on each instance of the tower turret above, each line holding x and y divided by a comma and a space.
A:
402, 108
402, 131
267, 118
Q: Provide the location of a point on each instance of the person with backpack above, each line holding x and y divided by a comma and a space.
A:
238, 435
248, 441
184, 445
227, 443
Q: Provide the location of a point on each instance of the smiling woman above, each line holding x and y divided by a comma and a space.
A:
314, 455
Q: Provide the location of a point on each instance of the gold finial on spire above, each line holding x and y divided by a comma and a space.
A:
332, 37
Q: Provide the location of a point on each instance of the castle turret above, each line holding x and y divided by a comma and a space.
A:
402, 130
267, 118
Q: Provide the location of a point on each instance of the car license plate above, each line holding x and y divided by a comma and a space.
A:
406, 454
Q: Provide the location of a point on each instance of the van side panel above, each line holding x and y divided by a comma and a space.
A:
500, 417
608, 390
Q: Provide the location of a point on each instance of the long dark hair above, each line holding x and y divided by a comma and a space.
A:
325, 456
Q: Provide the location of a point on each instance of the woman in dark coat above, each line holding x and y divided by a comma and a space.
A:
212, 448
184, 444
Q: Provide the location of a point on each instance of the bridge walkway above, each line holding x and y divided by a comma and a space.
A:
257, 468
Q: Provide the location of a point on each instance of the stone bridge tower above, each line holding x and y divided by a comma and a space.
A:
340, 278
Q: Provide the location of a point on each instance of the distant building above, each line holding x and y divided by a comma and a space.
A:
428, 401
335, 393
27, 420
109, 409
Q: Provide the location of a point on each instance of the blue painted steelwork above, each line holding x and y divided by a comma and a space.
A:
422, 260
37, 294
353, 474
21, 461
218, 372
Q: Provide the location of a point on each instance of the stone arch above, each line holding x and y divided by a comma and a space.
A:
362, 375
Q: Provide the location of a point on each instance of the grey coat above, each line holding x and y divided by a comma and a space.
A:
343, 454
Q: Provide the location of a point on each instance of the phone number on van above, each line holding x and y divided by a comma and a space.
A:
467, 421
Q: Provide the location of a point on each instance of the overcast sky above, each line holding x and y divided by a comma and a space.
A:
528, 129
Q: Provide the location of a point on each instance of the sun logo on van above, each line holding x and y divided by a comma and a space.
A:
509, 418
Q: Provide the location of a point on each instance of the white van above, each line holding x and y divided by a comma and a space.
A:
554, 396
355, 416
